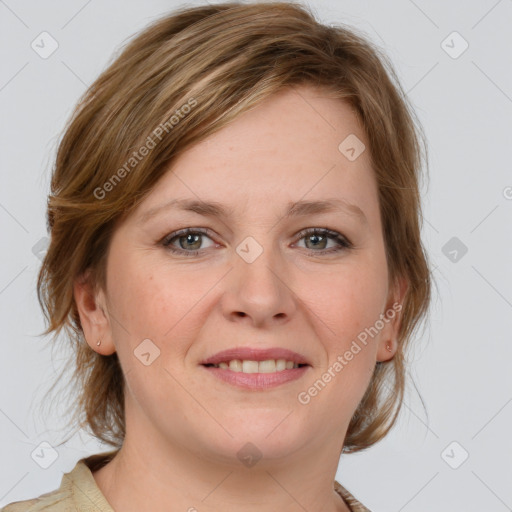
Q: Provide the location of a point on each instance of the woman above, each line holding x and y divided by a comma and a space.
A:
236, 257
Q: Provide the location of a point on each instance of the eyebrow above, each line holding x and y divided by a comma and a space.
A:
293, 209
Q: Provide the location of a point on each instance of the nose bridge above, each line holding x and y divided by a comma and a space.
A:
257, 287
257, 262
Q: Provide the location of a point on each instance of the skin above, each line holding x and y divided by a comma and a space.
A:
184, 427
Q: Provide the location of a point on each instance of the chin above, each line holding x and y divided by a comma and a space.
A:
270, 434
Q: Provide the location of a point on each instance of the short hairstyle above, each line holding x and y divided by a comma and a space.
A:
184, 77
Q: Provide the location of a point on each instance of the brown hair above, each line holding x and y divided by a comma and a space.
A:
185, 77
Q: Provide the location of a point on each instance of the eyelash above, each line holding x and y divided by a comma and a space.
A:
344, 243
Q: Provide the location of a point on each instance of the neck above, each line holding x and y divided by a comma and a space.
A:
143, 476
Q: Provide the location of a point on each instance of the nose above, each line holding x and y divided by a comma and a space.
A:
259, 291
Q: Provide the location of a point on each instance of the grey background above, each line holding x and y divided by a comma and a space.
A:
461, 363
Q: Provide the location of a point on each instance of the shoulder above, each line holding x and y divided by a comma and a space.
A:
349, 499
18, 506
56, 501
77, 491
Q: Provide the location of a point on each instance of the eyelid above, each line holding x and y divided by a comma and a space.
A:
185, 231
343, 242
331, 234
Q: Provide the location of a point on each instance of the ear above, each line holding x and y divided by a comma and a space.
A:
91, 307
392, 317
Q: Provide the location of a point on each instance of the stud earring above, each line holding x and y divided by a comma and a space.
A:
98, 342
388, 346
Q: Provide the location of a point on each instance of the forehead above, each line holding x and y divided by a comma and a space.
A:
283, 150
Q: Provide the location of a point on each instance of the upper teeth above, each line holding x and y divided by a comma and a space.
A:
269, 366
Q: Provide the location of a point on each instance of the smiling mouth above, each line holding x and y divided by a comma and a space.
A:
250, 366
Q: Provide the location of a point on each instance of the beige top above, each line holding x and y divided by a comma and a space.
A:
78, 491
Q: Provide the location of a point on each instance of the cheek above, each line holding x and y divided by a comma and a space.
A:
156, 301
349, 300
356, 303
134, 299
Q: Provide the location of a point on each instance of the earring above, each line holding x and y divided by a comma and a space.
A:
388, 346
98, 342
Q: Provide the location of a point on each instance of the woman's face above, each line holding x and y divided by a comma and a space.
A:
253, 276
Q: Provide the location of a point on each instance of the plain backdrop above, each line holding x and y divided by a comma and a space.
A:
454, 61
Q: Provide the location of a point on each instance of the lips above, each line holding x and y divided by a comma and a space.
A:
254, 354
